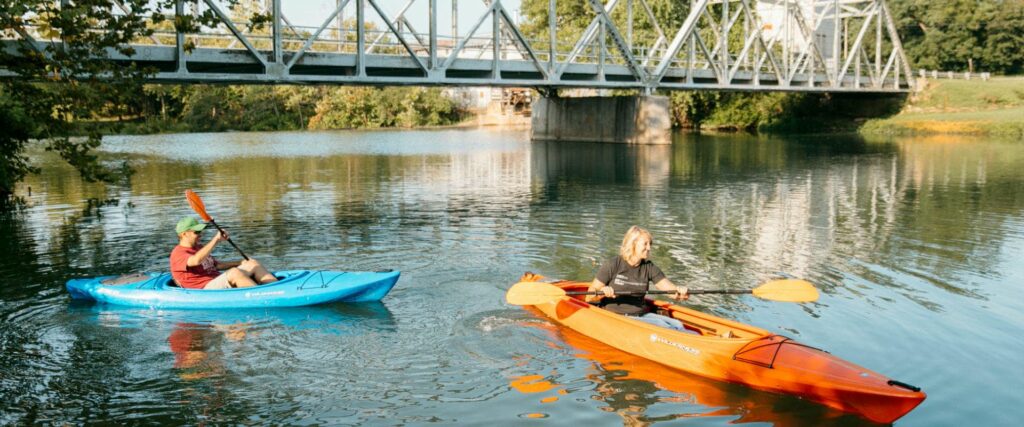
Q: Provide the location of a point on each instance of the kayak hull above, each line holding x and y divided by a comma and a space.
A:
295, 288
730, 351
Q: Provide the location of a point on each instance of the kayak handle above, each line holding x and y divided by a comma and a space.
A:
904, 385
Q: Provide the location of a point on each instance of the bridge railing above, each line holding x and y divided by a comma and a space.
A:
477, 47
952, 75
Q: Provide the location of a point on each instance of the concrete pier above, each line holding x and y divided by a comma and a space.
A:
624, 119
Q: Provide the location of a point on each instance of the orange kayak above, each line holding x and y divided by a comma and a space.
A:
730, 351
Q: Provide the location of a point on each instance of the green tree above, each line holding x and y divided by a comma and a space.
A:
76, 85
962, 34
368, 107
60, 86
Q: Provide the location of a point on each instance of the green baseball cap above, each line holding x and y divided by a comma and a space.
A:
189, 223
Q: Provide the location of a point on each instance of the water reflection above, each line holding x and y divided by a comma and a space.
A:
733, 210
556, 163
195, 366
643, 393
197, 348
911, 240
336, 319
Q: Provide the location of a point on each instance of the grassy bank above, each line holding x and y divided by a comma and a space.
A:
995, 107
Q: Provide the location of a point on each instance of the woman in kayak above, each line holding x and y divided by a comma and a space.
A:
631, 273
193, 267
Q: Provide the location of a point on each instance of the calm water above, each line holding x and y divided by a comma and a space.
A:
917, 246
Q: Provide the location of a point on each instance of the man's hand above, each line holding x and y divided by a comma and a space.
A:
249, 264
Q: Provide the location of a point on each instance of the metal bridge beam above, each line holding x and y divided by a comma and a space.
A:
758, 45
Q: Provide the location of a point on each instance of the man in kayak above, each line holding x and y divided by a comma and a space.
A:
193, 267
631, 273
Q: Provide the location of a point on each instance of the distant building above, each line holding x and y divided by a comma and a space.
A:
773, 16
494, 105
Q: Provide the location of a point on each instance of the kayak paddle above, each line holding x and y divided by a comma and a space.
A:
197, 205
787, 290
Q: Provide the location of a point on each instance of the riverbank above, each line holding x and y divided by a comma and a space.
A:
975, 107
993, 107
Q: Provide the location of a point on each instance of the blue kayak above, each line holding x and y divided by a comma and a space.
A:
295, 288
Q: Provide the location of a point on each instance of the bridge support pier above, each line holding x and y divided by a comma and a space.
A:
623, 119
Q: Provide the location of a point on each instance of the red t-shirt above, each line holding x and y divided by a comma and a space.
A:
192, 277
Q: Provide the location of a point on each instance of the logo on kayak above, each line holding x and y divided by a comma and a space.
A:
263, 294
108, 291
691, 350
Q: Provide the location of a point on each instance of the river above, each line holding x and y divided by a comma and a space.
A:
916, 245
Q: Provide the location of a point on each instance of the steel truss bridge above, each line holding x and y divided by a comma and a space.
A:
744, 45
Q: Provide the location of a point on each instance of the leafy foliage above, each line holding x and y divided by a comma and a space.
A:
256, 108
18, 127
368, 107
962, 34
77, 83
60, 87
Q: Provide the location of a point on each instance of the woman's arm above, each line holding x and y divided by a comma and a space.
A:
666, 285
599, 286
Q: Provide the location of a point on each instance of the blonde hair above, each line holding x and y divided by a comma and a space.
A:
627, 249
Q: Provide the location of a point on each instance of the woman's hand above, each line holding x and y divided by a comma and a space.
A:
682, 293
600, 291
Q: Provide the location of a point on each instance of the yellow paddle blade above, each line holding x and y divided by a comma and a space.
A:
533, 293
787, 290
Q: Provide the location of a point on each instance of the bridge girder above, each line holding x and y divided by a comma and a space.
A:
743, 45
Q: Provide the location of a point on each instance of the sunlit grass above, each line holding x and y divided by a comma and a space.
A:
993, 107
969, 95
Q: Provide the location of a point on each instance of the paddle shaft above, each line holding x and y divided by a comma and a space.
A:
690, 292
229, 240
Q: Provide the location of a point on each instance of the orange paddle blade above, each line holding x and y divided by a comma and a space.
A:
533, 293
787, 290
197, 205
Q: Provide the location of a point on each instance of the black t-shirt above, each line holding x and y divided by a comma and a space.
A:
624, 278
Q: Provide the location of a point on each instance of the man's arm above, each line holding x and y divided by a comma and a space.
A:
197, 259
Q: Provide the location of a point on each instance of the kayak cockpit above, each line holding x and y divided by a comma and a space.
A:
282, 277
707, 324
694, 321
